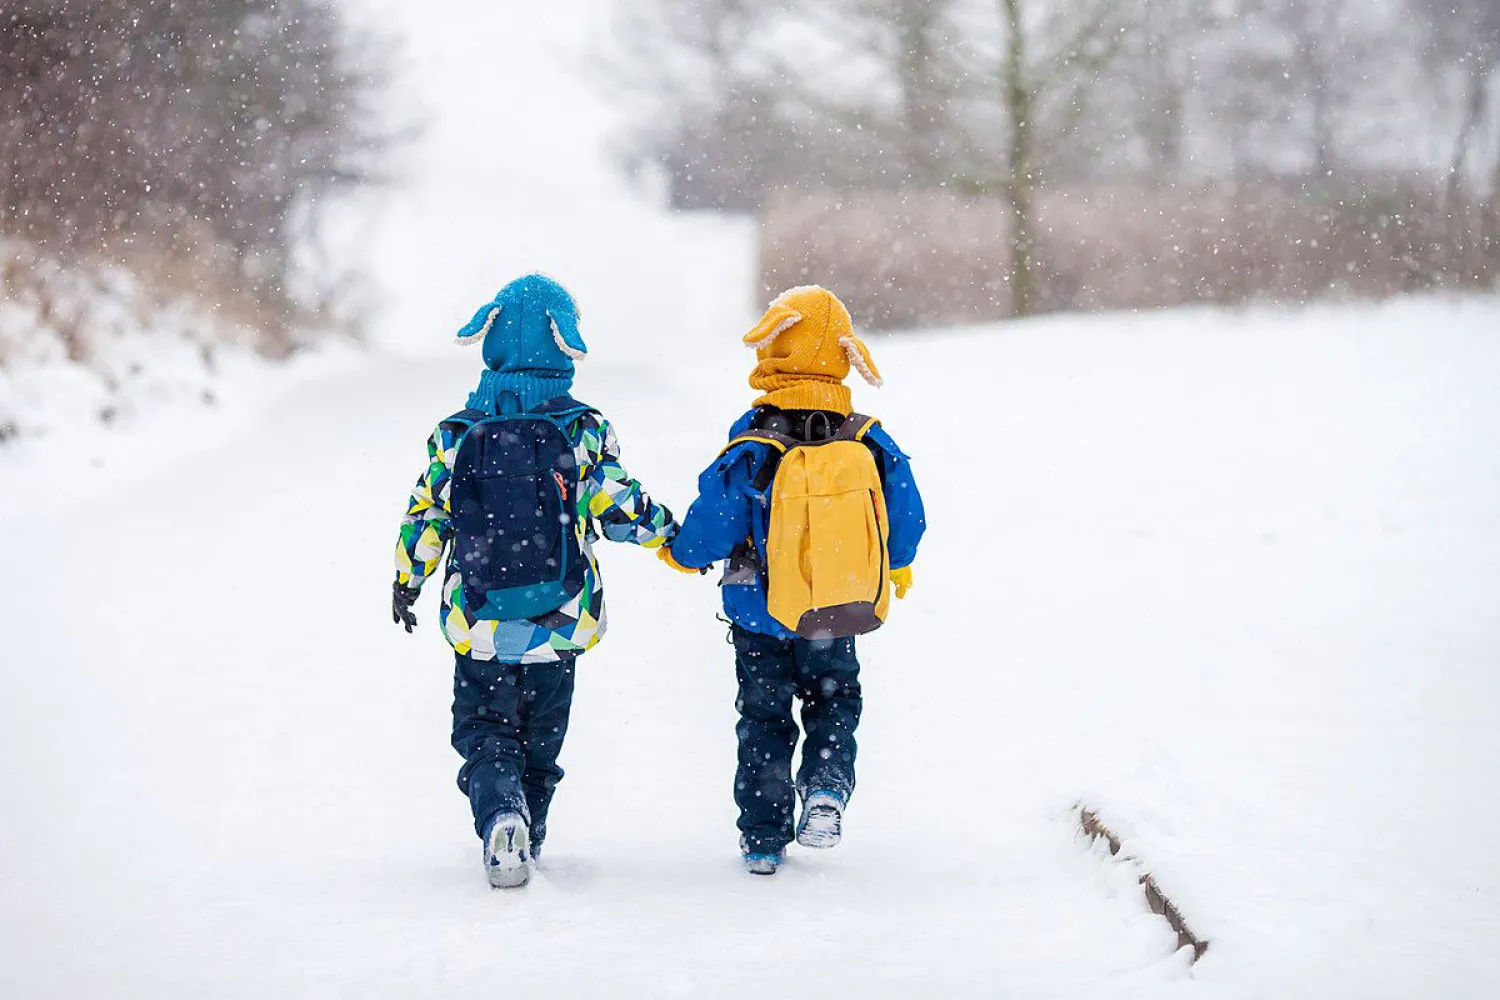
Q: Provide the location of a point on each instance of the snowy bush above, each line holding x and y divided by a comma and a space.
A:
86, 343
165, 170
906, 259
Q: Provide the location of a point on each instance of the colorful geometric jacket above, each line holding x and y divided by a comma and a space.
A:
609, 501
731, 509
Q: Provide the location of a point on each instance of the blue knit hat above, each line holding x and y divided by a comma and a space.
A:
531, 340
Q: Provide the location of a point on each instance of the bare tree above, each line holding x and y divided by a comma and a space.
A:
1022, 177
1336, 49
1044, 74
1160, 77
1462, 51
151, 123
681, 67
1060, 110
1463, 43
910, 42
988, 93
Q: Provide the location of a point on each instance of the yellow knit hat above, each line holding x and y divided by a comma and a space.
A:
806, 346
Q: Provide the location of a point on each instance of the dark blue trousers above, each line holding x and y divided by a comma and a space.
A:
824, 676
509, 722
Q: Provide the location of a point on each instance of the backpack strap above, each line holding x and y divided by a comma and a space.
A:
860, 426
782, 443
562, 407
855, 427
465, 418
779, 443
745, 561
462, 422
564, 412
561, 411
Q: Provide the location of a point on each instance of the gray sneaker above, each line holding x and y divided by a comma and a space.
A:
507, 852
822, 822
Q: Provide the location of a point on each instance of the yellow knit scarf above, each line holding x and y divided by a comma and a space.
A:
787, 391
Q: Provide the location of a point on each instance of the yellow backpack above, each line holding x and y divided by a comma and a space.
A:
827, 565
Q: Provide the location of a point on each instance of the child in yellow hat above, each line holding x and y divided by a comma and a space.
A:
816, 514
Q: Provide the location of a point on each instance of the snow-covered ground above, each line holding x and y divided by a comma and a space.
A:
1230, 578
155, 359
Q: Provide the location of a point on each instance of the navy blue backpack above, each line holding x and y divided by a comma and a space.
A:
514, 502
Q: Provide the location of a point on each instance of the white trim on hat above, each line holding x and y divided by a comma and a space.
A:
857, 359
781, 328
783, 298
562, 344
489, 324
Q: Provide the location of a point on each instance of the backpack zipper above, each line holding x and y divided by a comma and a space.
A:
562, 507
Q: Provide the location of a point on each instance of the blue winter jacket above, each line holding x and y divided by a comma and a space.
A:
729, 509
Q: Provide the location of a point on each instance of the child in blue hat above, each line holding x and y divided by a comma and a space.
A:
519, 485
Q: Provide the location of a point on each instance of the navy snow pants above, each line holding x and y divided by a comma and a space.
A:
509, 721
824, 675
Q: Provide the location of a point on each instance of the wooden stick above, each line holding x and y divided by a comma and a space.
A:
1159, 902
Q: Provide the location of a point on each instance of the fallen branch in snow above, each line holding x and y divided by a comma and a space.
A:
1161, 904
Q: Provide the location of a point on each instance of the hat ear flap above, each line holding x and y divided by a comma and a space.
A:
859, 357
565, 333
778, 319
479, 327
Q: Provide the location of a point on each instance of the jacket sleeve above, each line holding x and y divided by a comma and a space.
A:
619, 504
719, 519
428, 525
903, 501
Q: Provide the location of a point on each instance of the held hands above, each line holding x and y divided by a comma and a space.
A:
665, 555
901, 580
402, 598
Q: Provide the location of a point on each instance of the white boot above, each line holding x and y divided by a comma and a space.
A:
507, 852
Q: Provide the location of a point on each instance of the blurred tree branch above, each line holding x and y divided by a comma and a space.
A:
168, 125
1017, 100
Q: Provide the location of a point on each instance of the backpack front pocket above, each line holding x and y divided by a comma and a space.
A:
826, 546
515, 543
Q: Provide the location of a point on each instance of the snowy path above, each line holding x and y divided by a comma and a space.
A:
1231, 580
248, 790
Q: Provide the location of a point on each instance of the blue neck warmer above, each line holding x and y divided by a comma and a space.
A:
531, 341
531, 389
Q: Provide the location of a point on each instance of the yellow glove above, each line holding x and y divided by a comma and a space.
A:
665, 555
901, 580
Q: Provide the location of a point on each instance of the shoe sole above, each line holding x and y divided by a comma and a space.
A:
821, 830
510, 878
761, 867
512, 868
